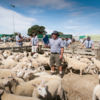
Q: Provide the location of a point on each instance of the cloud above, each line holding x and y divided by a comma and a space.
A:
81, 24
35, 11
57, 4
22, 23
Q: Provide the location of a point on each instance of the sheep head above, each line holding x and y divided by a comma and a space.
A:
40, 90
1, 92
12, 84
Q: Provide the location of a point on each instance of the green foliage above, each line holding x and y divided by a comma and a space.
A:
36, 29
15, 33
60, 33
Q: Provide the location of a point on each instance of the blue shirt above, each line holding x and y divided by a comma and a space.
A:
46, 40
66, 43
34, 41
56, 45
17, 39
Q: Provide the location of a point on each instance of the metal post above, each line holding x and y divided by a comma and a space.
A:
13, 21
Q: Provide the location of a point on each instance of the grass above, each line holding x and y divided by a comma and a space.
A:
95, 37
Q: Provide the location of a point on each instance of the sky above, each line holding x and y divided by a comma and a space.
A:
77, 17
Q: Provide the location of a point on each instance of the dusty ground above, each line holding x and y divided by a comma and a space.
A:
79, 87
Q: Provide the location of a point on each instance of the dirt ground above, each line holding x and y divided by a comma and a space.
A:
79, 87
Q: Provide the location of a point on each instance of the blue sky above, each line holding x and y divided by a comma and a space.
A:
77, 17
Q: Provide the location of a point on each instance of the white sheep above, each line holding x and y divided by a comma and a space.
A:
26, 88
7, 53
7, 96
35, 55
96, 63
43, 60
46, 54
9, 63
4, 73
96, 92
4, 82
50, 90
76, 65
85, 60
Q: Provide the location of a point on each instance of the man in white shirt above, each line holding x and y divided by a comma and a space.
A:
88, 43
34, 43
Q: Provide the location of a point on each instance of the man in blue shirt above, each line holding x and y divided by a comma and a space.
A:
57, 48
45, 39
19, 40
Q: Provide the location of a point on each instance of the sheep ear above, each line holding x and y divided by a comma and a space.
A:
43, 83
34, 85
1, 92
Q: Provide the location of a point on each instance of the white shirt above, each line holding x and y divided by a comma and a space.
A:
34, 41
88, 44
69, 41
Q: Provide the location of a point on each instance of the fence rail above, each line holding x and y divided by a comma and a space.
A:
82, 51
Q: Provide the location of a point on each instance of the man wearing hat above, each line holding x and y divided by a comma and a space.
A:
57, 49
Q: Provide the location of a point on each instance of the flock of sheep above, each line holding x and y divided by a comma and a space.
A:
24, 77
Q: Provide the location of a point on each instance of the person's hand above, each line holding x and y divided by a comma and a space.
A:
61, 56
46, 46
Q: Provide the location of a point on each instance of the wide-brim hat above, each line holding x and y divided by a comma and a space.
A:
55, 33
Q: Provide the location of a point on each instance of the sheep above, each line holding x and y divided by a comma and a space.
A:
22, 65
29, 75
26, 88
4, 73
85, 60
3, 82
6, 83
96, 92
8, 96
19, 80
39, 91
46, 54
6, 53
35, 55
96, 63
43, 60
9, 63
76, 65
51, 90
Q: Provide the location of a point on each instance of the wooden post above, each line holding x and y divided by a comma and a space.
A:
98, 54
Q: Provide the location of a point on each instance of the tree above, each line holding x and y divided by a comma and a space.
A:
15, 33
36, 29
60, 33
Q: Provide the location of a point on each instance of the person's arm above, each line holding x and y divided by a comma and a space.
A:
19, 40
62, 49
31, 41
61, 54
83, 44
92, 45
47, 45
37, 40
